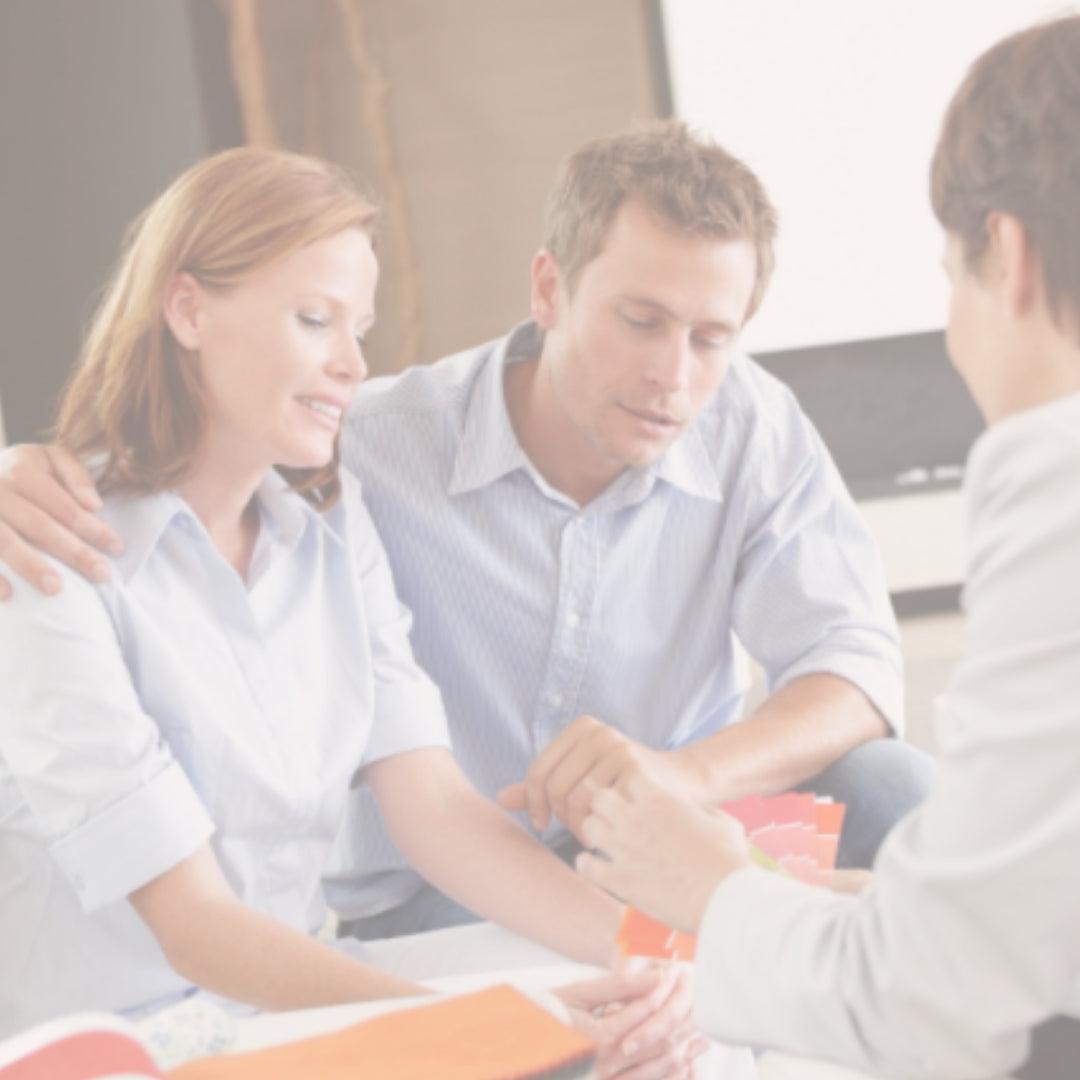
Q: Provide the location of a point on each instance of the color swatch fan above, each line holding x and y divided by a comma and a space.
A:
795, 834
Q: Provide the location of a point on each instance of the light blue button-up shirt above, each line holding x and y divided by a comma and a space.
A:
531, 610
176, 705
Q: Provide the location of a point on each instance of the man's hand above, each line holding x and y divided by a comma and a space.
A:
47, 504
586, 758
642, 1023
661, 853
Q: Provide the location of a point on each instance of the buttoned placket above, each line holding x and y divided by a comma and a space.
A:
235, 608
568, 656
581, 545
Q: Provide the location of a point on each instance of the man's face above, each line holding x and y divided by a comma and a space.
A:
647, 336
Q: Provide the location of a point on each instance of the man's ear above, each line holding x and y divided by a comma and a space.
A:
546, 289
1014, 263
181, 308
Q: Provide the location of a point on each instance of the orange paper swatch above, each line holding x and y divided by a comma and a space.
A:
642, 935
496, 1034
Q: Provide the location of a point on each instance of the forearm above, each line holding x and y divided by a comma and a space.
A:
217, 942
485, 861
497, 870
792, 736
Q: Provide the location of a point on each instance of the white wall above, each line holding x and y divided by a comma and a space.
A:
836, 104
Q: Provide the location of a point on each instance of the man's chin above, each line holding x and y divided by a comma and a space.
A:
641, 456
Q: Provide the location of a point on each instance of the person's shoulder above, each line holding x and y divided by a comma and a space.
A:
1026, 463
754, 409
79, 605
438, 387
406, 427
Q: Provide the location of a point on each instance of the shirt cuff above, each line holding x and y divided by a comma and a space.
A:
407, 717
738, 993
134, 840
879, 680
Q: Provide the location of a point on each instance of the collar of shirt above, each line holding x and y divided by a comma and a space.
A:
142, 519
489, 448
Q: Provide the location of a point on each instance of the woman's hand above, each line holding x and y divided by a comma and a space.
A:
641, 1022
660, 852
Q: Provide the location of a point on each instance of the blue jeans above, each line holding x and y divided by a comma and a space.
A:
879, 782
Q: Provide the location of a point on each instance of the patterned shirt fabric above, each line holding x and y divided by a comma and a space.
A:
178, 704
530, 610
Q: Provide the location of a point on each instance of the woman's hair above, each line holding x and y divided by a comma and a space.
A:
1010, 142
134, 401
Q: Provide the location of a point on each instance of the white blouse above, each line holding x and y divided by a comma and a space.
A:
178, 704
970, 933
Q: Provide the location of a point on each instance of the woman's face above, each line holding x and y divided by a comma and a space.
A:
973, 336
281, 353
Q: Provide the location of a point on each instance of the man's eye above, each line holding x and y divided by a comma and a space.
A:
711, 342
315, 322
641, 324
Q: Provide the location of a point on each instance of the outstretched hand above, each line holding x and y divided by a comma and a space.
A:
660, 852
586, 758
642, 1023
47, 505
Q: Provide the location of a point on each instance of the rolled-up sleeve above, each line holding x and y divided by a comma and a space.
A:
408, 709
810, 593
100, 785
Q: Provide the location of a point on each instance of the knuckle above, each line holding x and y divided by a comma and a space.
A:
66, 514
581, 798
15, 469
85, 561
96, 532
25, 467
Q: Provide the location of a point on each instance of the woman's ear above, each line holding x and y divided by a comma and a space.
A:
181, 308
1016, 267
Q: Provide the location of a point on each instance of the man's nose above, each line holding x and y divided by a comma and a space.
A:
670, 364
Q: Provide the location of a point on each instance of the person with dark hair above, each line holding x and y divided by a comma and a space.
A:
968, 936
591, 517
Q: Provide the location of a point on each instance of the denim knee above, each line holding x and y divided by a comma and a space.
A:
879, 782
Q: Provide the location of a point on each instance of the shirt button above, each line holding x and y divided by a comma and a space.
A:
573, 619
554, 699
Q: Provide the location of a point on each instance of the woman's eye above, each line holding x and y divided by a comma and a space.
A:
640, 324
315, 322
359, 338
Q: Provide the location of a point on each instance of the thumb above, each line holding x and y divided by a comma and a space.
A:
512, 797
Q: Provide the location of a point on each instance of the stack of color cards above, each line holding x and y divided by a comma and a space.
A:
797, 834
794, 834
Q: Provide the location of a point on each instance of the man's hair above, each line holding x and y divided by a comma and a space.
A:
689, 182
1010, 142
135, 399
